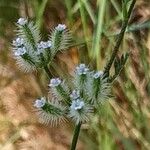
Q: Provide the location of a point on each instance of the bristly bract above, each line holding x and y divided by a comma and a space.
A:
78, 102
31, 52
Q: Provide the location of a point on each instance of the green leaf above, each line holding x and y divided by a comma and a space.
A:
119, 64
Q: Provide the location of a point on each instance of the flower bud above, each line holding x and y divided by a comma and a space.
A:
60, 27
54, 82
22, 21
39, 103
81, 69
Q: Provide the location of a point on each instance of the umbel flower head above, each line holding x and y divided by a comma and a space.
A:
31, 52
78, 102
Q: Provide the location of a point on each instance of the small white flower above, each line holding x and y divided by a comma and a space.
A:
44, 45
77, 104
18, 42
80, 111
49, 44
75, 94
98, 74
22, 21
39, 103
60, 27
82, 69
20, 51
54, 82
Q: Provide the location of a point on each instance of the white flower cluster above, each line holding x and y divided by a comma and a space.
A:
80, 111
39, 103
82, 69
18, 42
60, 27
55, 82
22, 21
44, 45
38, 53
20, 51
77, 104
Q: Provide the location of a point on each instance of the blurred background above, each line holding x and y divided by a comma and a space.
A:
122, 123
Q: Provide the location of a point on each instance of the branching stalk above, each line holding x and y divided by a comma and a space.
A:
49, 74
119, 39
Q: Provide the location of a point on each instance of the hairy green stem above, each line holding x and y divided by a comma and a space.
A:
119, 39
75, 136
49, 74
29, 36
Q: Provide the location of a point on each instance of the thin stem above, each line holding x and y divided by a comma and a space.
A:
84, 22
49, 74
96, 46
75, 136
80, 43
119, 39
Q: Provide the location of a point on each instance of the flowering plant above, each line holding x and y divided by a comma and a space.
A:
75, 102
32, 53
79, 100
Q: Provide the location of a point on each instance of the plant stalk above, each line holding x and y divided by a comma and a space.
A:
75, 136
49, 74
119, 39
